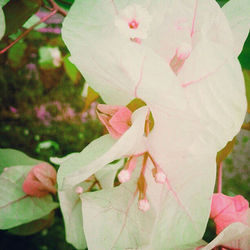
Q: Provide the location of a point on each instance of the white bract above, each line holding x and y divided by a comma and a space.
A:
179, 58
2, 18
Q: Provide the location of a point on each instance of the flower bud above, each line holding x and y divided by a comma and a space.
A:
126, 173
226, 210
79, 190
124, 176
40, 181
117, 119
160, 177
144, 205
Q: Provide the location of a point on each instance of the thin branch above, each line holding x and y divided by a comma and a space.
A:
56, 9
55, 6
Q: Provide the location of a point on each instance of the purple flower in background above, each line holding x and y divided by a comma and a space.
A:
13, 110
43, 115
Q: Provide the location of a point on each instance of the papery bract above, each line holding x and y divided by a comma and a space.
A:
184, 68
40, 181
2, 23
117, 119
226, 210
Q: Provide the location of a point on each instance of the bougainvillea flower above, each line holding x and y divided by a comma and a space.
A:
156, 196
226, 210
40, 181
194, 38
117, 119
184, 67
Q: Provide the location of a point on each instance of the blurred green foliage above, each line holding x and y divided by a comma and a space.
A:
41, 114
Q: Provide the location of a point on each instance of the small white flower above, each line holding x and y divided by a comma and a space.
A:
56, 55
134, 22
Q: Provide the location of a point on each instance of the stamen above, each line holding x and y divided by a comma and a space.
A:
160, 177
144, 205
125, 174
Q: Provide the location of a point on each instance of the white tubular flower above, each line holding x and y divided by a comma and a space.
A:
134, 22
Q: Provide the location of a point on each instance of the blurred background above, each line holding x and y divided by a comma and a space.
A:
46, 111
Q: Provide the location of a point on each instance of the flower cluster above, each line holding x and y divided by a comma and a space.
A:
179, 58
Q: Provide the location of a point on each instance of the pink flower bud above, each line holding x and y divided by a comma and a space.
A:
160, 177
40, 181
79, 190
144, 205
126, 173
124, 176
226, 210
117, 119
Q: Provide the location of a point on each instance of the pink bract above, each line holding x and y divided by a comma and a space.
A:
116, 119
226, 210
40, 181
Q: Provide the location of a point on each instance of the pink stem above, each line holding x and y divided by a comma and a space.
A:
219, 178
56, 9
195, 13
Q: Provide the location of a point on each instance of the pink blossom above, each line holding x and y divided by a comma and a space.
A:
13, 110
116, 119
43, 115
226, 210
40, 181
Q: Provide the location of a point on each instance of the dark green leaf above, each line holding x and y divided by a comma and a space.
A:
34, 226
245, 55
16, 54
17, 12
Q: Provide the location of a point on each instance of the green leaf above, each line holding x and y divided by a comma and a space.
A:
71, 70
3, 2
18, 12
16, 54
34, 226
17, 208
33, 20
11, 157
